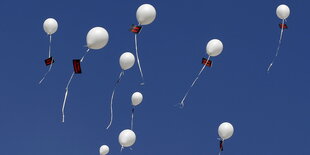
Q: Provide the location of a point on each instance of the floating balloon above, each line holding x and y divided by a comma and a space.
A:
126, 61
145, 14
225, 131
283, 12
50, 26
104, 149
136, 99
96, 39
213, 48
127, 138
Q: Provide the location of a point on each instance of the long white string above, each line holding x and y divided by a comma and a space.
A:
278, 49
132, 116
138, 60
49, 48
49, 55
67, 90
112, 97
182, 102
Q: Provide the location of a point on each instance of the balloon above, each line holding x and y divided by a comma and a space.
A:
283, 11
104, 149
50, 26
97, 38
127, 60
225, 130
127, 138
146, 14
136, 98
214, 47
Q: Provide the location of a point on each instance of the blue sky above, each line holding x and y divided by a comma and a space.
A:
269, 111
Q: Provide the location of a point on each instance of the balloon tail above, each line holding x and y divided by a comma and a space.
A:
111, 102
49, 55
65, 98
189, 89
50, 68
122, 148
138, 60
132, 117
278, 49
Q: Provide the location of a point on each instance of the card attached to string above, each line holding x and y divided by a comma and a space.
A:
77, 66
49, 61
284, 26
206, 62
135, 29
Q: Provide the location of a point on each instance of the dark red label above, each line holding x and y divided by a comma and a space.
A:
221, 145
283, 26
135, 29
206, 62
77, 66
49, 61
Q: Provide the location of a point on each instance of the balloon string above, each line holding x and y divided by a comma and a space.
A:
67, 90
50, 68
278, 49
189, 89
138, 60
122, 148
65, 98
111, 102
85, 55
49, 55
49, 48
132, 117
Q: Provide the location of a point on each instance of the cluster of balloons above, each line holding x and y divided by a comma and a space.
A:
98, 37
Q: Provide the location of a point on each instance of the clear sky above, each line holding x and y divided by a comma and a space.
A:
269, 111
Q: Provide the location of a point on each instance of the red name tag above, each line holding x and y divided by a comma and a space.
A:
206, 62
135, 29
77, 66
49, 61
283, 26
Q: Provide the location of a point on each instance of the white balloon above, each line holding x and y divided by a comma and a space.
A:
127, 60
127, 138
136, 98
50, 26
97, 38
225, 130
146, 14
214, 47
283, 11
104, 149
